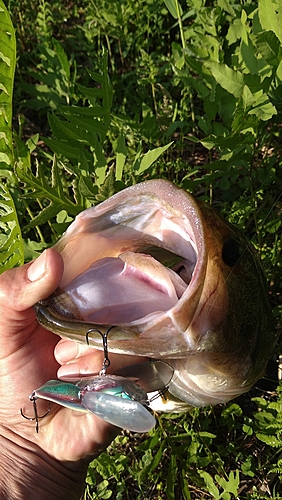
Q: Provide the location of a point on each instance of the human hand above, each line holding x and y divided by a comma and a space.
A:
54, 460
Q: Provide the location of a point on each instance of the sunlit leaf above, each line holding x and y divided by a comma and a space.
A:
229, 79
270, 16
143, 162
174, 7
269, 47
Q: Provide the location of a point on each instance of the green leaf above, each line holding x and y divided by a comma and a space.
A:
249, 56
268, 46
270, 440
225, 5
121, 152
231, 485
247, 429
174, 8
209, 482
7, 71
151, 463
62, 56
171, 477
103, 492
107, 189
227, 78
62, 148
262, 107
83, 130
41, 187
232, 409
5, 158
247, 466
270, 15
32, 249
143, 162
185, 486
235, 31
11, 243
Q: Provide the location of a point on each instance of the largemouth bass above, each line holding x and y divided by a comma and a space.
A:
179, 283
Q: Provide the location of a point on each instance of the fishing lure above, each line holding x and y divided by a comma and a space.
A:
113, 398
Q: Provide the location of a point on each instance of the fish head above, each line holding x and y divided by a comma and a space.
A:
178, 283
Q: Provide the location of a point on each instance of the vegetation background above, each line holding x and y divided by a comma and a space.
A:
102, 94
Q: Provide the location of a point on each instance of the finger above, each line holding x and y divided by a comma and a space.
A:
22, 287
68, 350
79, 359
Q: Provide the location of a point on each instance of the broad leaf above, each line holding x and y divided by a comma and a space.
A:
270, 13
227, 78
269, 47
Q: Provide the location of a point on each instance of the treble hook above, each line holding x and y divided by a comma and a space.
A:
106, 362
36, 416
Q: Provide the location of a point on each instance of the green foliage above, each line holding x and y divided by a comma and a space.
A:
268, 421
57, 76
183, 457
239, 77
229, 486
11, 245
189, 91
78, 139
7, 70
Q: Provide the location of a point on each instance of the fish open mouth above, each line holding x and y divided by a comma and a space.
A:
131, 263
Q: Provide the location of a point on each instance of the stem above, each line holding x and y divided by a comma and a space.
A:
180, 25
37, 228
254, 210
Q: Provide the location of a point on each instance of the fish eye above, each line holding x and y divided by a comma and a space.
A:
231, 252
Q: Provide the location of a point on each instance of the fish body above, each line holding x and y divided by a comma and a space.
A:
179, 284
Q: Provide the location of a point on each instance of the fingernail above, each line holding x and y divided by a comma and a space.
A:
66, 351
66, 370
38, 268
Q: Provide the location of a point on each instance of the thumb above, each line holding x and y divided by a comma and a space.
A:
22, 287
